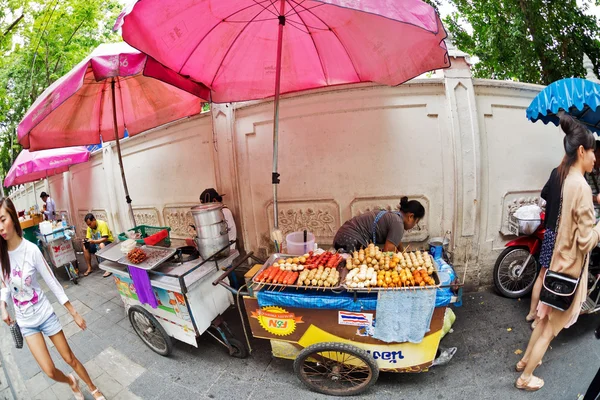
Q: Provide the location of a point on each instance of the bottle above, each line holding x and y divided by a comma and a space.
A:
64, 220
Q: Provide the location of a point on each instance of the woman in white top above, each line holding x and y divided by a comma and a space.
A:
21, 261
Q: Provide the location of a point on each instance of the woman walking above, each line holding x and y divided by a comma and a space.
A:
576, 236
21, 261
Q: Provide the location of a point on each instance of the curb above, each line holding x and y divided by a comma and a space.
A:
13, 375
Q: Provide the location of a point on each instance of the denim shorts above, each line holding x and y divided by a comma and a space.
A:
49, 327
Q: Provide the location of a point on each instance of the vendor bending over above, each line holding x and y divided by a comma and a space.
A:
98, 235
379, 227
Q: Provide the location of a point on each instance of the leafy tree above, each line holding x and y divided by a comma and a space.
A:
41, 41
537, 41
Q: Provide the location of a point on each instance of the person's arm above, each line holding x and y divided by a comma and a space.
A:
103, 239
104, 234
5, 296
44, 270
587, 234
389, 246
395, 232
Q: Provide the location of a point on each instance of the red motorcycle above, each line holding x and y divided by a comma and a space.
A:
517, 266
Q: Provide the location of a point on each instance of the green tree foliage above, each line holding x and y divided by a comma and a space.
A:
537, 41
41, 41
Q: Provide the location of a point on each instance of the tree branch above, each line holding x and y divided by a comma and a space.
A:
66, 44
536, 44
13, 25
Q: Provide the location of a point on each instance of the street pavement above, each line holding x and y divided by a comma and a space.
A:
488, 331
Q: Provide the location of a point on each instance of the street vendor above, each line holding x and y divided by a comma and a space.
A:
50, 207
379, 227
97, 237
593, 179
212, 196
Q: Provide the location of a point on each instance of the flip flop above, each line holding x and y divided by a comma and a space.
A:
520, 367
107, 275
97, 398
533, 384
78, 395
87, 273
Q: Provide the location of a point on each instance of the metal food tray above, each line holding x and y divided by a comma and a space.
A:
270, 286
435, 275
112, 252
156, 256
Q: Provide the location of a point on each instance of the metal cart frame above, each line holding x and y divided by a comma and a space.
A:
59, 252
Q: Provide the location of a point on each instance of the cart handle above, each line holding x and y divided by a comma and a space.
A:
219, 280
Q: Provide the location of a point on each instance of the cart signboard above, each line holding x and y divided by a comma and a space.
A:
62, 252
293, 329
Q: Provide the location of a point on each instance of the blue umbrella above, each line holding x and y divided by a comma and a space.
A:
577, 97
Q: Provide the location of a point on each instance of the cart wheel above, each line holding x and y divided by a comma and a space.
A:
75, 281
238, 350
150, 331
336, 369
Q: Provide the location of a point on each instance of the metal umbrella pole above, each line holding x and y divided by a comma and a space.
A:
127, 198
275, 175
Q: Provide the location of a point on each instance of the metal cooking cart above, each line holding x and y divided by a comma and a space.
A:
59, 252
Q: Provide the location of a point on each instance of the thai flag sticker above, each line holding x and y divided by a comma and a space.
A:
355, 319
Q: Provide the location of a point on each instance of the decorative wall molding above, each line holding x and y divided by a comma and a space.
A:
319, 216
147, 216
392, 203
178, 217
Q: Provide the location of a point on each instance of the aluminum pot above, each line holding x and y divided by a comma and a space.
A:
208, 214
212, 231
208, 247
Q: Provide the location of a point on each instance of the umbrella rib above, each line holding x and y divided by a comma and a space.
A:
276, 13
230, 47
314, 44
101, 108
305, 8
337, 37
214, 27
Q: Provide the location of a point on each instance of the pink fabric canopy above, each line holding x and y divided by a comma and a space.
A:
231, 45
77, 109
34, 165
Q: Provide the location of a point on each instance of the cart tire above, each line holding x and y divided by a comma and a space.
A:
321, 373
150, 331
238, 350
75, 281
506, 282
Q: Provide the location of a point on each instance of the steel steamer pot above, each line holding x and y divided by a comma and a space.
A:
211, 228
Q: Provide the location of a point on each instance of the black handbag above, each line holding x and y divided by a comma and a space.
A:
15, 330
558, 290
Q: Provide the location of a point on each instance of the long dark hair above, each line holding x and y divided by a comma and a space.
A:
575, 135
8, 205
413, 207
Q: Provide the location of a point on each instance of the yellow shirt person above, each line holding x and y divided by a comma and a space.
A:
97, 236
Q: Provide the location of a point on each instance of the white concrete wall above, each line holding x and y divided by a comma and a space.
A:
461, 146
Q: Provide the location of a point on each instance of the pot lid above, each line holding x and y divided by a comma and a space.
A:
202, 208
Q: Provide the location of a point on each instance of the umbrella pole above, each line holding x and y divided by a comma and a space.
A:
116, 129
275, 174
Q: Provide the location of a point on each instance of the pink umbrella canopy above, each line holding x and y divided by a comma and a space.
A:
31, 166
77, 109
231, 46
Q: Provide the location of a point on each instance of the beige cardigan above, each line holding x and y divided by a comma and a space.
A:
577, 235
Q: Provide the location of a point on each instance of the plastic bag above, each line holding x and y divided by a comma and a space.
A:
449, 318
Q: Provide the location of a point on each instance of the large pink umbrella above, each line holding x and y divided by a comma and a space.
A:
109, 91
31, 166
253, 49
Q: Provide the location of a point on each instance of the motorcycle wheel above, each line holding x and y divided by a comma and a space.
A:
512, 279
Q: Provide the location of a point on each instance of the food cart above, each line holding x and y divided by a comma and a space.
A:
330, 333
188, 305
57, 248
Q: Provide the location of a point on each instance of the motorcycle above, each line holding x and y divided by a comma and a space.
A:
517, 268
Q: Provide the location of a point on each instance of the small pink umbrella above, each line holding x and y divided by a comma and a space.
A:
31, 166
253, 49
111, 90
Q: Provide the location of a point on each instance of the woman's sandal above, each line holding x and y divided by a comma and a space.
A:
530, 319
97, 398
533, 384
520, 367
77, 392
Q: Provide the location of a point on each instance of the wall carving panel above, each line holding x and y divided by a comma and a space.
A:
392, 203
319, 216
178, 218
147, 216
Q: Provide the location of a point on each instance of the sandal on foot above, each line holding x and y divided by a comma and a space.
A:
520, 367
97, 398
530, 319
76, 392
533, 384
107, 274
86, 273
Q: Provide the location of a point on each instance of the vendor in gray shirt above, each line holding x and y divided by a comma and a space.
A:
379, 227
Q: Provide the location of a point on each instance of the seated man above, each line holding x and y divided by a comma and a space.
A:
98, 235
